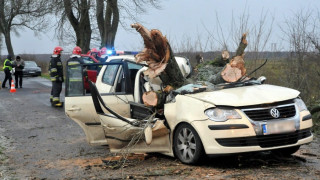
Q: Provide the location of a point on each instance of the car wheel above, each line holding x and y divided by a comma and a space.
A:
187, 144
286, 151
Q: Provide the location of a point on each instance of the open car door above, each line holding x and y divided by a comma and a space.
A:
78, 101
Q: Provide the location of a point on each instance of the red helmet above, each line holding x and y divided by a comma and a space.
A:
77, 50
94, 50
103, 51
57, 50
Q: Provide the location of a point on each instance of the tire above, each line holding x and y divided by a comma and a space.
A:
187, 144
286, 151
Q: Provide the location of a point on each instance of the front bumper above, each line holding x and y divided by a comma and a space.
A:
241, 135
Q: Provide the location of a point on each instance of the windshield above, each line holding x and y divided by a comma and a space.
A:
30, 64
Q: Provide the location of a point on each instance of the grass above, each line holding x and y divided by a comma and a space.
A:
45, 75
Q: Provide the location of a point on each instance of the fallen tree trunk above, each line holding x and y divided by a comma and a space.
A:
159, 57
235, 69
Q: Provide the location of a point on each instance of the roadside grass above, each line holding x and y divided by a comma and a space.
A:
45, 75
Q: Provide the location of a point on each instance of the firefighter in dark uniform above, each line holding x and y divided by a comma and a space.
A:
56, 75
7, 67
75, 85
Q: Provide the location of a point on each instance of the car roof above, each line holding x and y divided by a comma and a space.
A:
125, 57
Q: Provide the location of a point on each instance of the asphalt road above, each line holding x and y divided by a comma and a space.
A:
38, 141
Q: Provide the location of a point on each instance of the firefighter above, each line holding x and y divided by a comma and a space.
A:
95, 53
103, 54
7, 67
56, 74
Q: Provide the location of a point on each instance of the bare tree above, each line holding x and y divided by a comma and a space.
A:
89, 18
110, 12
15, 14
108, 24
297, 32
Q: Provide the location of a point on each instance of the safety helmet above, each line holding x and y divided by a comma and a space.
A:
103, 51
77, 50
94, 50
57, 50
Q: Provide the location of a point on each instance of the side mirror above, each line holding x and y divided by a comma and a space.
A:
262, 79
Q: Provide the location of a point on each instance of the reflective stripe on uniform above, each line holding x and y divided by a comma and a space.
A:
73, 63
75, 80
53, 69
55, 99
53, 79
59, 63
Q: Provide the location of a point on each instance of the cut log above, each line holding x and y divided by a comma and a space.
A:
154, 99
235, 69
225, 55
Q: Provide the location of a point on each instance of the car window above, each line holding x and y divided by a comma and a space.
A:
87, 60
30, 64
134, 66
110, 74
75, 79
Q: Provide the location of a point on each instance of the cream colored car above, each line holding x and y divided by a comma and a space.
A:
242, 117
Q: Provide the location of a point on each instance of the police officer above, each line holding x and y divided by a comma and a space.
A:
7, 67
56, 74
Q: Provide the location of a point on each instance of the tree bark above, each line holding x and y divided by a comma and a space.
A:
7, 38
5, 27
108, 24
172, 75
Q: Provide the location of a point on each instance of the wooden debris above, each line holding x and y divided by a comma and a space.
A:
235, 69
156, 53
159, 57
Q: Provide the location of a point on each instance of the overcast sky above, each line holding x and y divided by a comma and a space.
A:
179, 19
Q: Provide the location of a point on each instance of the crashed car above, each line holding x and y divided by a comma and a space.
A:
240, 117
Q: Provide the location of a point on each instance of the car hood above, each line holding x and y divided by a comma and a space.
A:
247, 95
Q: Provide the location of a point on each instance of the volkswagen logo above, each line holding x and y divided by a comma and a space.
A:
275, 113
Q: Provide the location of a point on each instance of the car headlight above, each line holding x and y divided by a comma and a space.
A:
221, 114
301, 105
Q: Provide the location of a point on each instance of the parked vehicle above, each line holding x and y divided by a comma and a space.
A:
31, 69
237, 117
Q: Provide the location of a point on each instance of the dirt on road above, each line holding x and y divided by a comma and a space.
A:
38, 141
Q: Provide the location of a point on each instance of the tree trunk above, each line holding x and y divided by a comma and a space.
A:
7, 38
172, 75
100, 18
82, 27
111, 23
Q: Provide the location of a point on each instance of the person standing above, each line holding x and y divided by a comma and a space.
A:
56, 75
7, 67
19, 65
